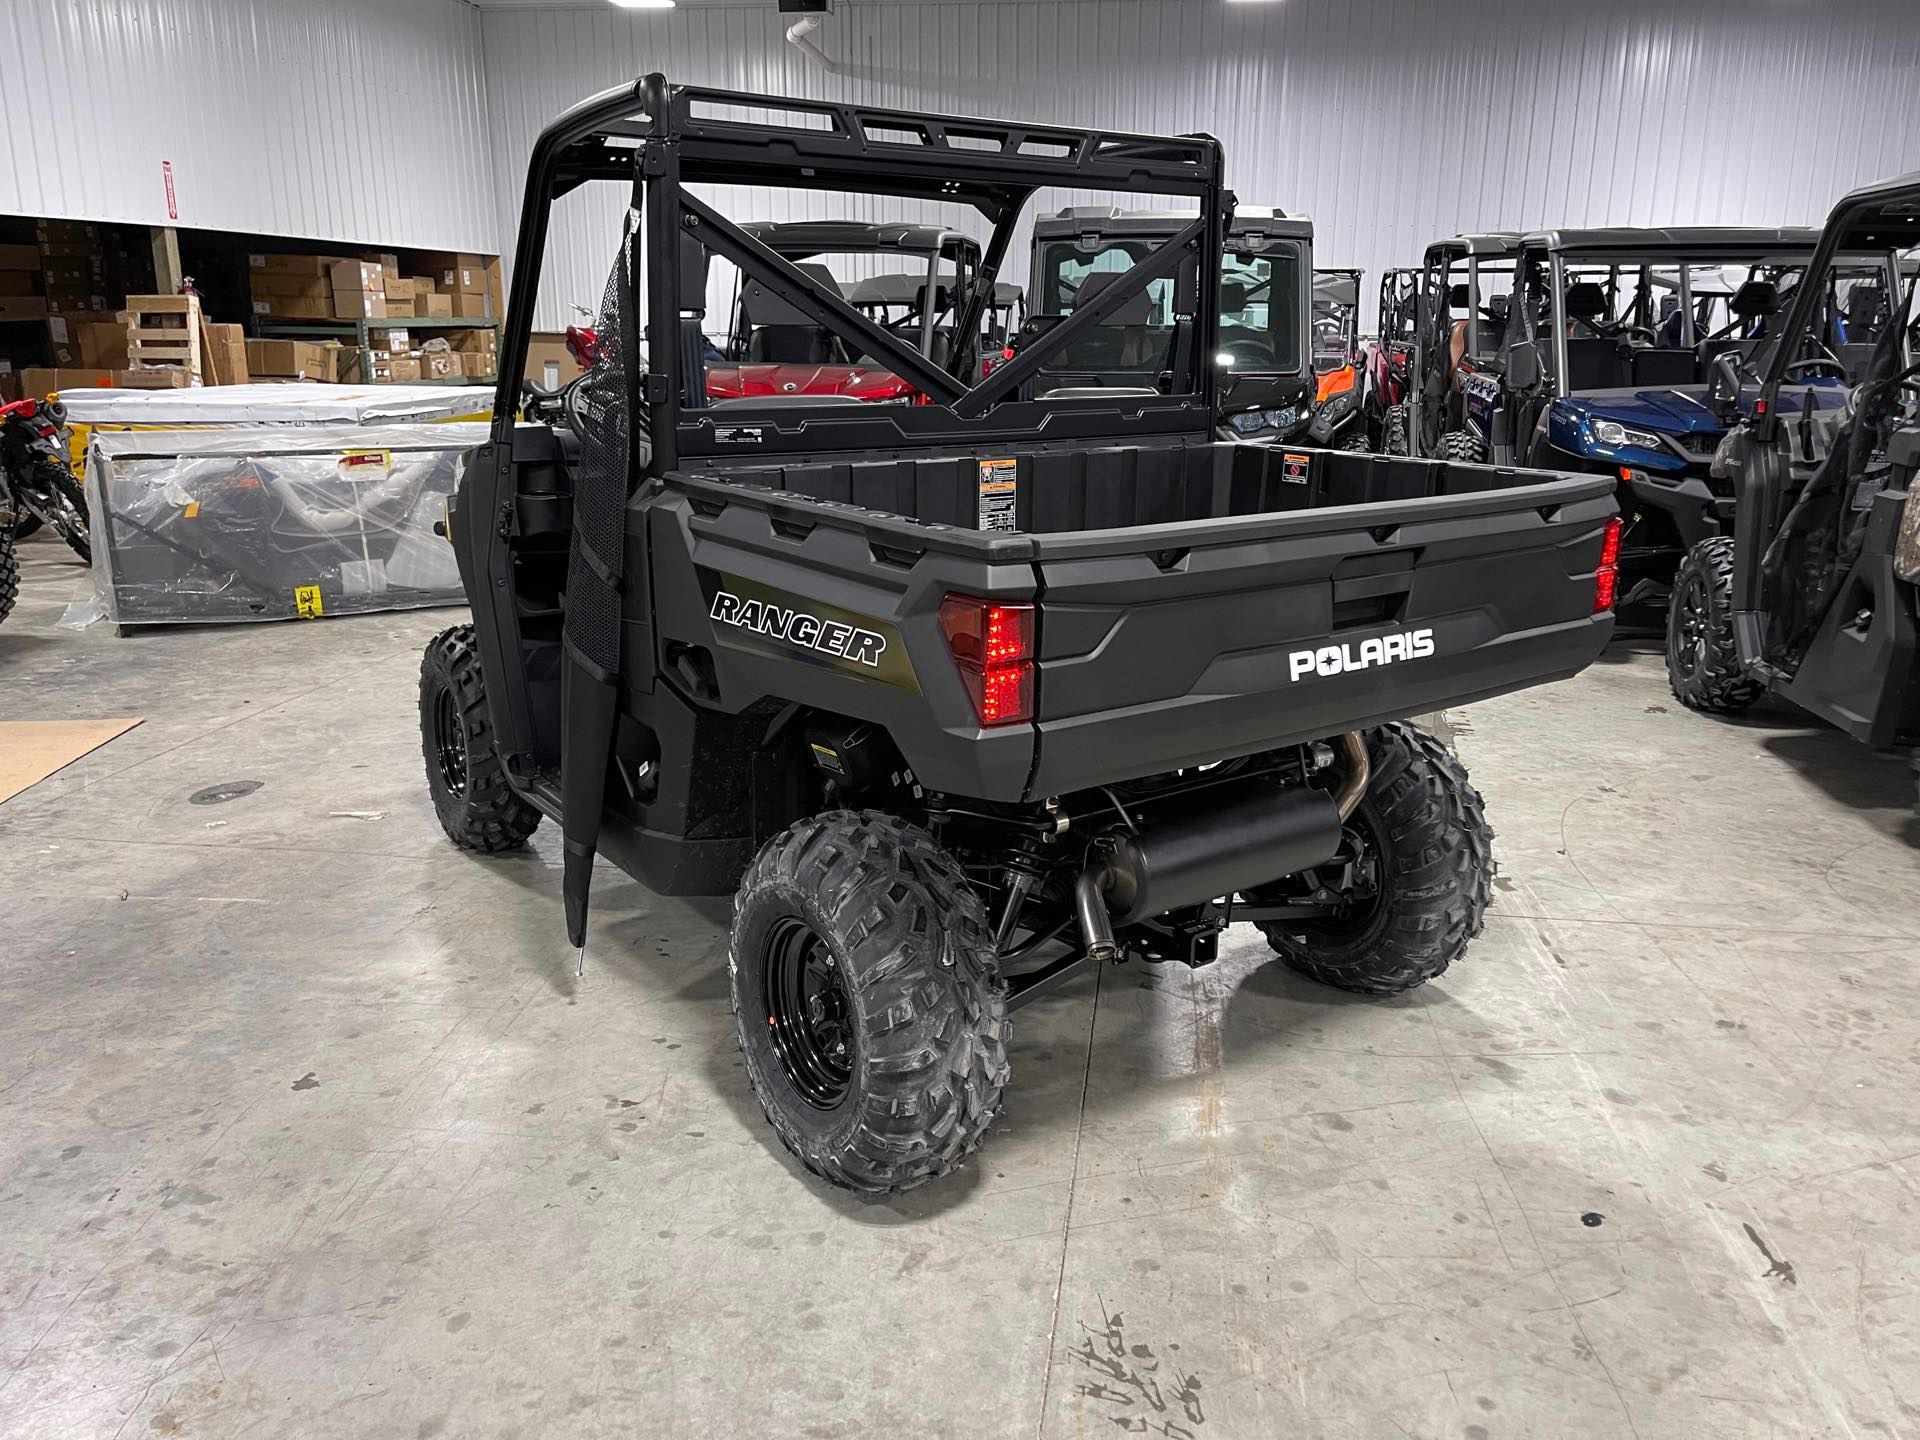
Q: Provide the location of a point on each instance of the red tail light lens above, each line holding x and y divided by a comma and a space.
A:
992, 643
1606, 579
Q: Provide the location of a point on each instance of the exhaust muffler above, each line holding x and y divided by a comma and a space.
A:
1214, 842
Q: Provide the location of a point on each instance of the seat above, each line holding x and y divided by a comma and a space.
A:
1593, 364
783, 334
1659, 365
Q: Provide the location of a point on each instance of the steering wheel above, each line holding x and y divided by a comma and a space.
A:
1640, 333
1251, 352
1830, 366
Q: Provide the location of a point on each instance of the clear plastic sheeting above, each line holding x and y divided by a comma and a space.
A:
206, 527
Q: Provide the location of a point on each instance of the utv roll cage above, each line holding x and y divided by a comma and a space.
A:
660, 139
929, 245
1627, 254
1336, 314
1480, 255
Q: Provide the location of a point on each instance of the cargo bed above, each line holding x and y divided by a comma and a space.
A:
1193, 602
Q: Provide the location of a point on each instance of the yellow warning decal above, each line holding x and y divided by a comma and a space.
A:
306, 599
999, 494
192, 512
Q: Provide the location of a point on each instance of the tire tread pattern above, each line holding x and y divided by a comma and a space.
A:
931, 1024
1439, 869
491, 816
1722, 686
9, 574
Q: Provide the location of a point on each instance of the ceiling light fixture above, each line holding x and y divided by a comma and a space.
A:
644, 4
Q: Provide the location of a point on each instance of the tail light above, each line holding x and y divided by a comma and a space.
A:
1607, 578
992, 643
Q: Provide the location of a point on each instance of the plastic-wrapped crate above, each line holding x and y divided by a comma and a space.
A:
271, 523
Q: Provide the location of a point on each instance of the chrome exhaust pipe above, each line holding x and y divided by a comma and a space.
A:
1090, 905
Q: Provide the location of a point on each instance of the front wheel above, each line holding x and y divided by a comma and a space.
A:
1703, 662
67, 507
1412, 878
1354, 441
477, 806
871, 1011
9, 575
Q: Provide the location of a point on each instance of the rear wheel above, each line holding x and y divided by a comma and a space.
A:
1462, 445
1396, 436
1355, 440
1703, 663
1411, 880
871, 1012
477, 807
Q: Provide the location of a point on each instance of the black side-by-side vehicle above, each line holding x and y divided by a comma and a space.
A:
963, 697
1813, 596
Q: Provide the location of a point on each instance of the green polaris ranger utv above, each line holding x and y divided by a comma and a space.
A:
962, 697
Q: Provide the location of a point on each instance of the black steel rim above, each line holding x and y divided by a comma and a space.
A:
1690, 648
809, 1014
450, 741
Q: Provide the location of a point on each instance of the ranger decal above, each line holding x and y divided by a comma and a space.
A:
796, 627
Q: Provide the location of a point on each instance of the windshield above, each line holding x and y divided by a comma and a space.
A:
1260, 326
1260, 310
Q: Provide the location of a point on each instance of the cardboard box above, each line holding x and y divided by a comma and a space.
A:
496, 291
23, 307
399, 287
359, 305
394, 342
440, 365
547, 355
63, 302
364, 275
294, 359
394, 369
484, 342
289, 308
67, 237
226, 352
40, 382
401, 309
155, 377
74, 273
19, 257
102, 344
433, 305
478, 367
457, 272
308, 265
17, 282
471, 307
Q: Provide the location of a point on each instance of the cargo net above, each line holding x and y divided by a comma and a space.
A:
599, 407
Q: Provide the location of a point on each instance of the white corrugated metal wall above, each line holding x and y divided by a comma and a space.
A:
353, 120
1391, 122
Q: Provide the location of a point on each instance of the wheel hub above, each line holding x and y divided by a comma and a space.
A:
809, 1014
450, 741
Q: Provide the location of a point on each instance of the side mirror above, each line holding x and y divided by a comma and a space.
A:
1723, 387
1523, 366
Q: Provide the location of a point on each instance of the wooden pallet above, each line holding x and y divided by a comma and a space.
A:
163, 333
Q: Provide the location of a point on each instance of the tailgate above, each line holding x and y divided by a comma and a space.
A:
1185, 644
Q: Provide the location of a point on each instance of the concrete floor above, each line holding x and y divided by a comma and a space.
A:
306, 1128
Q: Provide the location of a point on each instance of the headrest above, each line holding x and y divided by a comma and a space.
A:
763, 307
1586, 300
1233, 296
1136, 310
1755, 299
1459, 296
